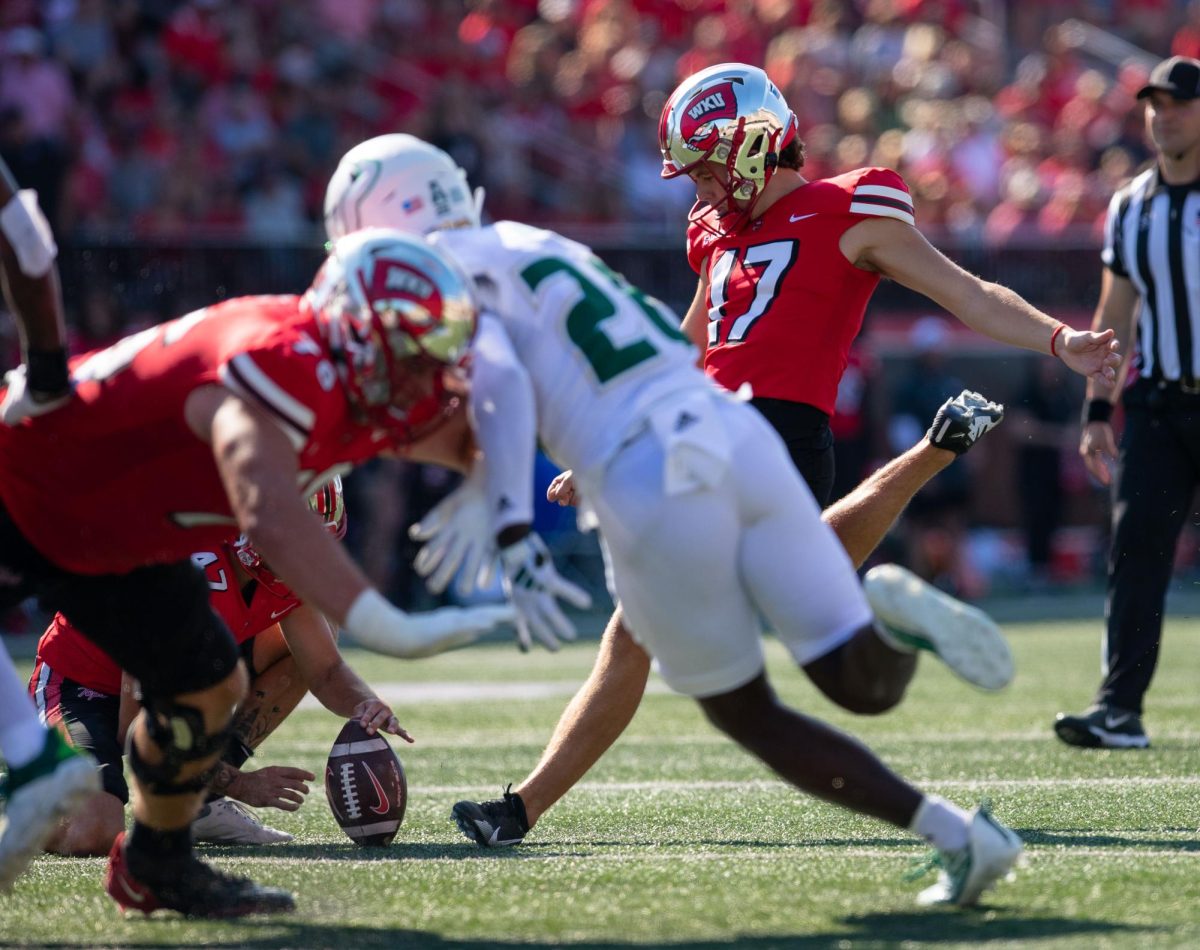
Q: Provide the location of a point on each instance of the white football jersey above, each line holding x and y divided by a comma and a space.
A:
599, 353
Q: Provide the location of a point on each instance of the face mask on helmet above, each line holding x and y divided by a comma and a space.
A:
731, 114
328, 502
398, 181
398, 317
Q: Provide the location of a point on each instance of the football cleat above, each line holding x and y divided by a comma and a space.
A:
1102, 727
51, 787
224, 821
498, 823
963, 420
190, 887
918, 616
991, 852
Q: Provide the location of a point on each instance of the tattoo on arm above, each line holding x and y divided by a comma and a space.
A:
223, 776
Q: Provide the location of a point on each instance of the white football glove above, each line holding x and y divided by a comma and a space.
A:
533, 585
379, 626
457, 534
18, 401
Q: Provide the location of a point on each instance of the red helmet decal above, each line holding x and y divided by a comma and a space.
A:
710, 103
395, 280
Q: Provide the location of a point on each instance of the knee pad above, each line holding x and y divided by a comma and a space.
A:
178, 732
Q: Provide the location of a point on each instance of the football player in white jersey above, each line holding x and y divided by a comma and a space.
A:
705, 524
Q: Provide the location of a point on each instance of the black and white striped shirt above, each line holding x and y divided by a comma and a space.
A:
1152, 238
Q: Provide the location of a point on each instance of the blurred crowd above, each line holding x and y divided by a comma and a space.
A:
161, 122
167, 118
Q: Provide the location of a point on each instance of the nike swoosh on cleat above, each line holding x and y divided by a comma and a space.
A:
494, 839
800, 217
1112, 722
130, 892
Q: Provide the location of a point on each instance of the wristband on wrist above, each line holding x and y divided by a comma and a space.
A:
46, 372
1054, 336
1097, 410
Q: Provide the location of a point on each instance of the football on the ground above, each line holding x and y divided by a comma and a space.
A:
365, 786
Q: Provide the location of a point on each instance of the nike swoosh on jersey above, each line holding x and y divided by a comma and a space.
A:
276, 614
800, 217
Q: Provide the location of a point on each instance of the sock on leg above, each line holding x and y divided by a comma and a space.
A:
943, 824
22, 736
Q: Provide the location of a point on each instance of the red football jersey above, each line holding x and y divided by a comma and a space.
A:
115, 479
784, 305
69, 653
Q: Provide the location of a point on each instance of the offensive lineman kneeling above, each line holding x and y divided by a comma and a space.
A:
288, 648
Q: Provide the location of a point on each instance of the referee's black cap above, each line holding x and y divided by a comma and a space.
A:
1179, 76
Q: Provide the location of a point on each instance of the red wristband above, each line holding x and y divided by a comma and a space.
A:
1054, 336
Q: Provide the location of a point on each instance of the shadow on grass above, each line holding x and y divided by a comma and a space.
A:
863, 930
1085, 839
397, 851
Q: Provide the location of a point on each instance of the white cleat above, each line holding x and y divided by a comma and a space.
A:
56, 784
224, 821
991, 853
920, 616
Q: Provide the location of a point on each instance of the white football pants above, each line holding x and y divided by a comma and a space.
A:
706, 528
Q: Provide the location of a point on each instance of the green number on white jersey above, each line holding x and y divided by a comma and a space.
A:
609, 339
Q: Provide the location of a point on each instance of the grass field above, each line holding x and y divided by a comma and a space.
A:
679, 838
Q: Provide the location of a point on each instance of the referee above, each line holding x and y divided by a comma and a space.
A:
1152, 277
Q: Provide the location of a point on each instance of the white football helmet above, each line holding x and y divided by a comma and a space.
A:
731, 114
398, 181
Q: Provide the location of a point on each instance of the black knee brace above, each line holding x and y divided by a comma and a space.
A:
178, 732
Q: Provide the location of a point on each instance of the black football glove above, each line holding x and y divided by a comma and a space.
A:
961, 421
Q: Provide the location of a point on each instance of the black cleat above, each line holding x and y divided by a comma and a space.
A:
495, 824
1102, 727
190, 887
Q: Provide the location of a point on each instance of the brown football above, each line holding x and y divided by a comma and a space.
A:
365, 786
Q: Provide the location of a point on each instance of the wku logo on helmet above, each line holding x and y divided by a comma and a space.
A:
706, 106
391, 280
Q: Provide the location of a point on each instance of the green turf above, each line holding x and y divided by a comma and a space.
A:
679, 838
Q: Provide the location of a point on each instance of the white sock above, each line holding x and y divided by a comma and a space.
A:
21, 735
943, 824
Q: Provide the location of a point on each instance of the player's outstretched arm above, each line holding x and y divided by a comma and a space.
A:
313, 645
899, 251
259, 470
863, 517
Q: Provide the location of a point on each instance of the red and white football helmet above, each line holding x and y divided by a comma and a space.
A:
328, 502
398, 317
731, 114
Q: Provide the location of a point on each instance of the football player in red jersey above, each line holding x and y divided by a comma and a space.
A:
175, 437
46, 780
285, 646
786, 267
